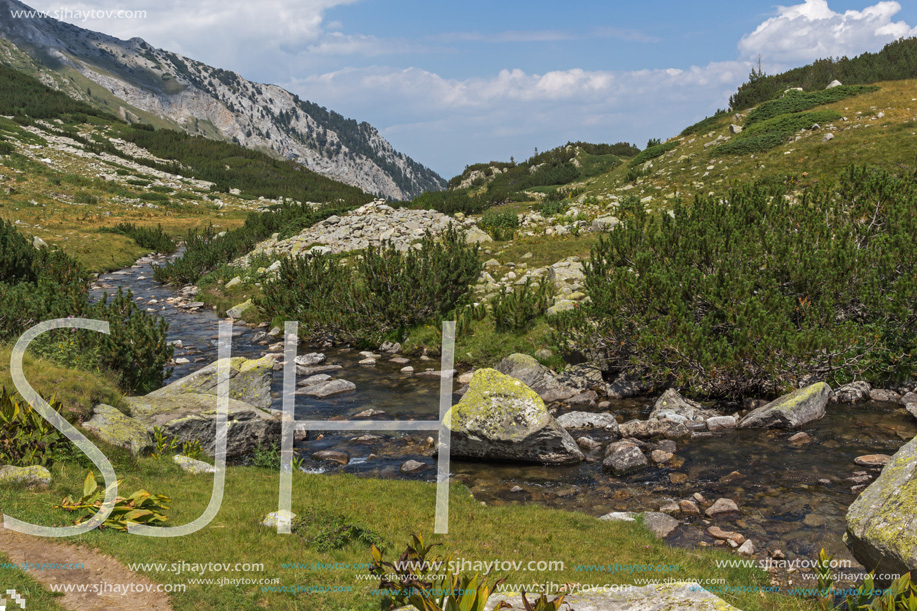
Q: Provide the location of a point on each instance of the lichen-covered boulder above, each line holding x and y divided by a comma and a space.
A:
238, 311
536, 376
249, 381
882, 521
192, 465
31, 476
792, 410
191, 417
500, 418
119, 430
623, 458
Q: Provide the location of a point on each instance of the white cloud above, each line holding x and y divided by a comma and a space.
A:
447, 123
809, 31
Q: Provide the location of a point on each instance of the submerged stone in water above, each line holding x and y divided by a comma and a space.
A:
792, 410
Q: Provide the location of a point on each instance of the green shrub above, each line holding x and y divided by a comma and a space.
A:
43, 284
6, 148
705, 125
758, 294
82, 197
207, 249
154, 197
156, 240
138, 182
500, 224
653, 152
774, 132
799, 101
517, 310
161, 189
387, 292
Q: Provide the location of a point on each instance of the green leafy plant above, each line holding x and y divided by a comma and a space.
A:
192, 449
139, 508
25, 437
900, 595
163, 445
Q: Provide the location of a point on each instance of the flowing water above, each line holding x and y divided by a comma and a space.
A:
793, 497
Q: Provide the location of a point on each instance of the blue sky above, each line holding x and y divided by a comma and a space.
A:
453, 83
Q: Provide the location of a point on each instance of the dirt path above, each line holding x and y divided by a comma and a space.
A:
103, 574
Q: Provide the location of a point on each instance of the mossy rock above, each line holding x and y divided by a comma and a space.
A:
249, 381
500, 418
119, 430
792, 410
882, 521
31, 476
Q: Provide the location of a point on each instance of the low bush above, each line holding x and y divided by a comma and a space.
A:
386, 292
653, 152
705, 125
758, 294
774, 132
43, 284
25, 437
517, 310
156, 240
500, 224
799, 101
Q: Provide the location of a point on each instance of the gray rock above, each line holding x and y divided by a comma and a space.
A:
735, 129
604, 223
192, 417
249, 381
660, 524
624, 387
833, 84
910, 397
119, 430
275, 518
313, 380
327, 388
792, 410
192, 465
672, 406
912, 408
561, 305
619, 516
31, 476
721, 508
747, 548
500, 418
476, 235
721, 423
310, 359
588, 420
536, 376
238, 311
882, 521
647, 429
885, 396
582, 377
413, 466
855, 392
623, 458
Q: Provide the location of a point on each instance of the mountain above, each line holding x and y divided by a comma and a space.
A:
142, 83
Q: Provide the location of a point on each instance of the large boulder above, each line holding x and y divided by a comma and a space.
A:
500, 418
792, 410
882, 521
672, 406
536, 376
191, 417
249, 381
119, 430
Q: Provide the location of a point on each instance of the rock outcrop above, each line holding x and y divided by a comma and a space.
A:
119, 430
792, 410
190, 417
500, 418
249, 382
536, 376
882, 521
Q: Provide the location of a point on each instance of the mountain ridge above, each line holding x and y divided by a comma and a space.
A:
185, 93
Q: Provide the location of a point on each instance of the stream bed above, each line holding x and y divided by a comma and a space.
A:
792, 497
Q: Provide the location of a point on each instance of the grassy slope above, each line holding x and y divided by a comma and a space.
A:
394, 509
887, 143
